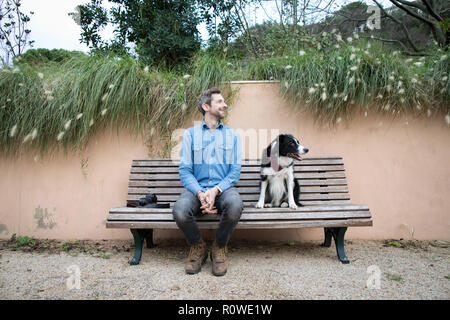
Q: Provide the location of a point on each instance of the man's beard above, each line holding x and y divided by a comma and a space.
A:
218, 115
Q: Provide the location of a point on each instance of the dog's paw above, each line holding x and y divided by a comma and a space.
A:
259, 205
268, 205
284, 205
293, 206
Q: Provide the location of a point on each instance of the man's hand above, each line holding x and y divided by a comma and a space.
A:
207, 204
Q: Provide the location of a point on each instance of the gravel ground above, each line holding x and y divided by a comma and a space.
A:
257, 270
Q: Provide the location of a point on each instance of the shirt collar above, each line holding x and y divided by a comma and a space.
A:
205, 126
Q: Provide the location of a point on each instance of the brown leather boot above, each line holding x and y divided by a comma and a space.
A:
219, 260
197, 256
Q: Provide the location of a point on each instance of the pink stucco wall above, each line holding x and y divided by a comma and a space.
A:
399, 167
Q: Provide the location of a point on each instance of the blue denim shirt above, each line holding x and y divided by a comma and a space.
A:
210, 158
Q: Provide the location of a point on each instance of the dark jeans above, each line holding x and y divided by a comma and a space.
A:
229, 206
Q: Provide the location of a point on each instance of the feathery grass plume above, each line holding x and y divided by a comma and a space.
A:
67, 124
13, 131
60, 136
27, 138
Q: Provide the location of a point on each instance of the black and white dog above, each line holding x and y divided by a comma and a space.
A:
279, 188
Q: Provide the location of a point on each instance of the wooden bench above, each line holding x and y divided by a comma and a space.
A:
324, 194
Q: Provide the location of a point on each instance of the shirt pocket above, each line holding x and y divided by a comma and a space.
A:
225, 150
199, 153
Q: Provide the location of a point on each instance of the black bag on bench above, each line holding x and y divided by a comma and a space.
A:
148, 202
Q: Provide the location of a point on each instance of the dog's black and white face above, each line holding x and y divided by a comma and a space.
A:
286, 145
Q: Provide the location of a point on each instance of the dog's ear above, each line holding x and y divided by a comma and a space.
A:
265, 158
275, 147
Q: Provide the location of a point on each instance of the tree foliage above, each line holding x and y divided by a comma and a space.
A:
13, 31
159, 31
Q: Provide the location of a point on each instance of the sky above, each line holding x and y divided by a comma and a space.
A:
52, 28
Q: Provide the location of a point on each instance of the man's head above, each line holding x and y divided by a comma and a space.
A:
211, 101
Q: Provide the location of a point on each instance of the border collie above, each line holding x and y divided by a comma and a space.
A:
279, 188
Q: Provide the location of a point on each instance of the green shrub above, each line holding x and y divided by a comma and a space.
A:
46, 106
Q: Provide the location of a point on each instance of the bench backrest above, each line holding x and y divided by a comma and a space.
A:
322, 181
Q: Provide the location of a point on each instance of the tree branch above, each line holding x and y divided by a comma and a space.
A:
412, 4
412, 13
246, 29
405, 30
399, 42
432, 12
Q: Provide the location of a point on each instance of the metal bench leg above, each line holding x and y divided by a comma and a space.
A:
328, 236
149, 238
338, 236
138, 242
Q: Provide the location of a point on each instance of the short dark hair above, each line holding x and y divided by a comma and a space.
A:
205, 97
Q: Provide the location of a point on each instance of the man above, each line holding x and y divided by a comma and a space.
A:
210, 166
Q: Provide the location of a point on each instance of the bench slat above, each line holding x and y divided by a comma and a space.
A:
245, 224
352, 207
244, 170
325, 215
173, 163
255, 197
251, 204
241, 183
241, 190
244, 176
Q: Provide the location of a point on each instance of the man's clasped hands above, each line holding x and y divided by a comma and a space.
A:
207, 199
